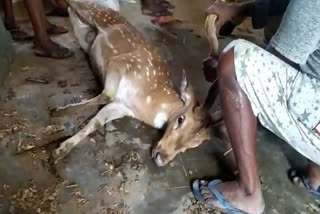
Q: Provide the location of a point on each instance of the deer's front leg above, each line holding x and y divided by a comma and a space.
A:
112, 111
101, 99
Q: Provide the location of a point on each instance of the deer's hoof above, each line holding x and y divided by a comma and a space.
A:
60, 153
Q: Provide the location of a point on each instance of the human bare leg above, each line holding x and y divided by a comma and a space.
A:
51, 28
10, 23
44, 46
245, 193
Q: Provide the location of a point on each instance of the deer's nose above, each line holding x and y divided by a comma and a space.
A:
157, 149
158, 159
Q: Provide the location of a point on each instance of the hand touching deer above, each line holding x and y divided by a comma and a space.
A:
136, 82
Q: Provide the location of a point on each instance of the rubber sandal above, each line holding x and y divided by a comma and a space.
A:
18, 34
292, 174
307, 185
57, 30
226, 206
56, 52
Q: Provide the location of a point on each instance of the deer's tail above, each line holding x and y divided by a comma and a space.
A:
97, 13
88, 16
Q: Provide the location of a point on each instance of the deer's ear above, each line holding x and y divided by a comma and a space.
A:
186, 92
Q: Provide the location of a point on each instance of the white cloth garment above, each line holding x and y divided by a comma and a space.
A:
280, 96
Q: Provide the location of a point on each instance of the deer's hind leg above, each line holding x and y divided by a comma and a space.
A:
112, 111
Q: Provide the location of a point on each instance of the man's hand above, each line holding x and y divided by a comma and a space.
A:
210, 69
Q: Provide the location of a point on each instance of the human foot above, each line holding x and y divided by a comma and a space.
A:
18, 34
55, 29
52, 50
156, 7
228, 197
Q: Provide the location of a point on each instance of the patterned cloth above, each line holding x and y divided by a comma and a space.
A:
281, 97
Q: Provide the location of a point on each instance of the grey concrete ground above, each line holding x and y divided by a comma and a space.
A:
111, 171
6, 51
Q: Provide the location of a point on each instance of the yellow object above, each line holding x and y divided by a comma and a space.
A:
211, 30
110, 94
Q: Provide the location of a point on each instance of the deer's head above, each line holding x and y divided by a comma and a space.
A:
186, 128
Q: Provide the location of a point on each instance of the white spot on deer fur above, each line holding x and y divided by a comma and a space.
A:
160, 119
139, 66
154, 72
164, 105
128, 66
147, 73
148, 99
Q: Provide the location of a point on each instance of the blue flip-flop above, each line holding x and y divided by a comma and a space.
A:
308, 187
227, 207
292, 174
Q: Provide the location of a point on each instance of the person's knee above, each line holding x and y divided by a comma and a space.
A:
236, 52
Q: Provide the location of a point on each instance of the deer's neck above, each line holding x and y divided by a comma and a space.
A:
158, 107
164, 112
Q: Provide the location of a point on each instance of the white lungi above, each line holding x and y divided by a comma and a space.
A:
282, 98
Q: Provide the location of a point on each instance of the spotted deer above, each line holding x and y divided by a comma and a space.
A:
136, 83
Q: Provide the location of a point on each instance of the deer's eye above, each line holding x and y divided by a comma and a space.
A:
180, 120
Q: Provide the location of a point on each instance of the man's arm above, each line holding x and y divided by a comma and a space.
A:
231, 14
262, 9
299, 32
